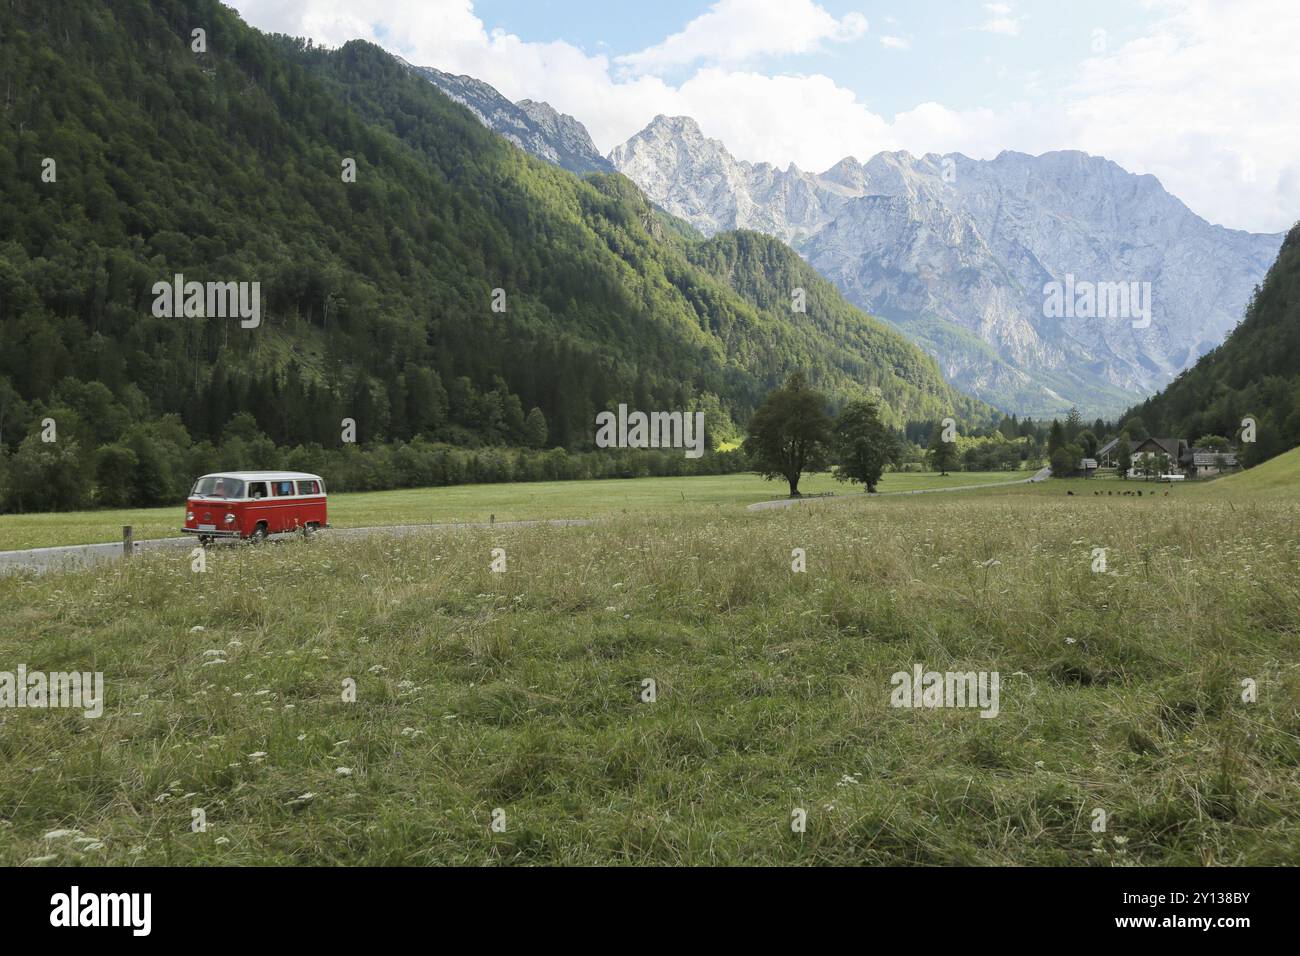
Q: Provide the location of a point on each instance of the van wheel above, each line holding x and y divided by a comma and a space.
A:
309, 531
258, 535
205, 541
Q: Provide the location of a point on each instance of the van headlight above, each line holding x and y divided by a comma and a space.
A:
189, 516
230, 519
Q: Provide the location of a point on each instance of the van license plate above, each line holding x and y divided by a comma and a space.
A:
207, 527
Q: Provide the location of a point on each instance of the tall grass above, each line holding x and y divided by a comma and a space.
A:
521, 691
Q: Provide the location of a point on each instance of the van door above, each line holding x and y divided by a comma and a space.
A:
285, 508
312, 501
258, 507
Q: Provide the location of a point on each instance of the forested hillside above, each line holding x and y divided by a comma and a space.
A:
127, 157
1255, 373
874, 356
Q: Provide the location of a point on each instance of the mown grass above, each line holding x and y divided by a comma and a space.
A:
1277, 476
521, 691
475, 503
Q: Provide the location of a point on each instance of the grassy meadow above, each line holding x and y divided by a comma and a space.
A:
479, 503
520, 693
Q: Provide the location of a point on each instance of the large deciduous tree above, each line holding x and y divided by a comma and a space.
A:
863, 444
789, 433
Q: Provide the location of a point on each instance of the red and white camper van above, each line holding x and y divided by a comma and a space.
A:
254, 504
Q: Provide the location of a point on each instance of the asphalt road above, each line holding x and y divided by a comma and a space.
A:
74, 556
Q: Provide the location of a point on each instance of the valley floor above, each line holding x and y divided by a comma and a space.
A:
525, 501
522, 696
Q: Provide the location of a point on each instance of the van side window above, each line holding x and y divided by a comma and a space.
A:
282, 488
257, 489
308, 488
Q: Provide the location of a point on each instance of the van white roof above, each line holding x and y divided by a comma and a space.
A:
264, 476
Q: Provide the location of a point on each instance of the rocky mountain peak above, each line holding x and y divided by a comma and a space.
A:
958, 252
536, 128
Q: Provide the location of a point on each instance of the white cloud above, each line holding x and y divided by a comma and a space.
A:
1001, 20
895, 43
1200, 99
1204, 101
739, 31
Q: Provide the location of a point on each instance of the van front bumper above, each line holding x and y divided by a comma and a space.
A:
210, 534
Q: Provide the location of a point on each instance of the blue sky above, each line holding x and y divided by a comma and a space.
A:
1196, 92
951, 60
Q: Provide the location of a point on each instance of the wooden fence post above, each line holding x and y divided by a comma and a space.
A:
128, 546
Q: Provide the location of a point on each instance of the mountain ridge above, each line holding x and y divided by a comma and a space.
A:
536, 128
1101, 367
994, 288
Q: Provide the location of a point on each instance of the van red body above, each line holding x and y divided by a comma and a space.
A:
254, 504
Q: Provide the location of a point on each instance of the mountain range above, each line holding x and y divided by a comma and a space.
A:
958, 253
419, 275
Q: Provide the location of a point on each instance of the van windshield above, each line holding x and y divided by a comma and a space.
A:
218, 488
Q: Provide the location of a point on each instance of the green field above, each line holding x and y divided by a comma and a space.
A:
520, 692
478, 503
1278, 476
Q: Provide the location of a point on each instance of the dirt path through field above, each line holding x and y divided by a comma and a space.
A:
1041, 475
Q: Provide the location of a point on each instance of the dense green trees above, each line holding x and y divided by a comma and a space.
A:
1254, 374
376, 294
44, 475
837, 347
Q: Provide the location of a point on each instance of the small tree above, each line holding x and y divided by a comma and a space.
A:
1142, 465
1063, 464
789, 433
535, 430
863, 444
1055, 437
1163, 465
1153, 465
1073, 425
1124, 460
942, 454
